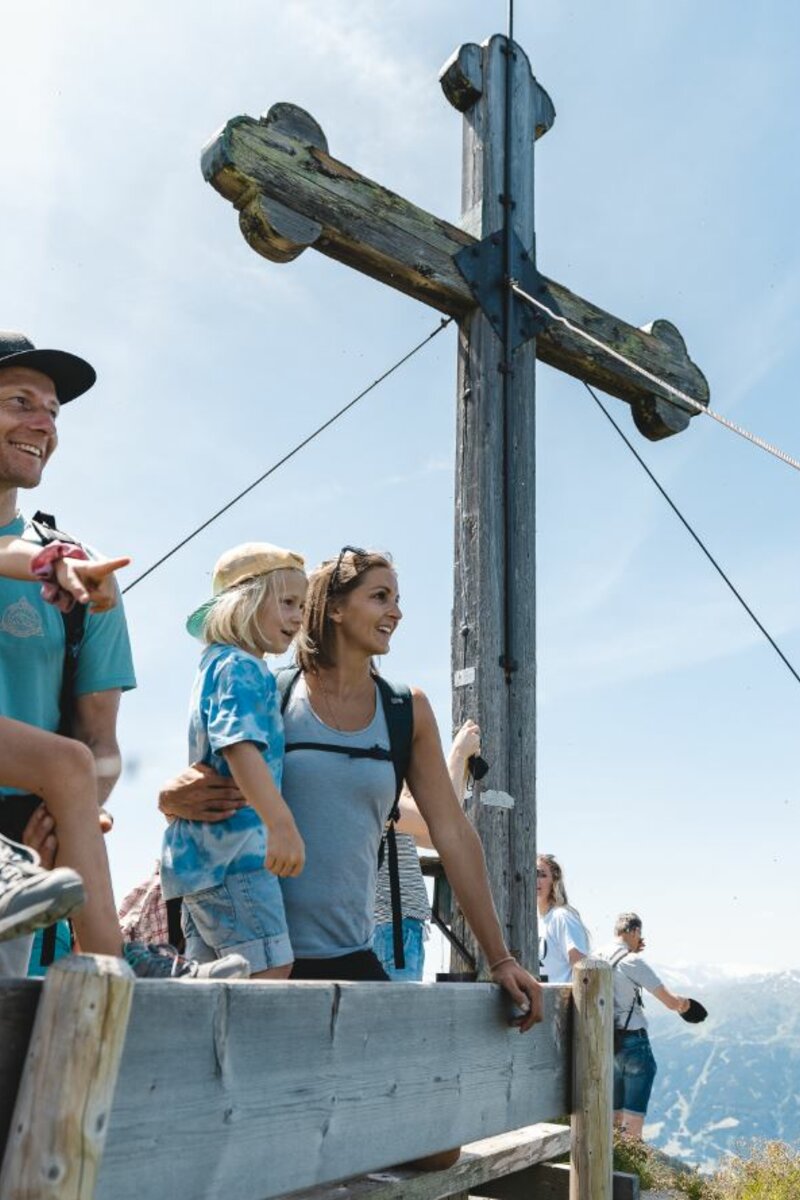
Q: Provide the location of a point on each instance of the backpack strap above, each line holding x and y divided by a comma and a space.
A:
398, 710
286, 678
44, 526
615, 959
399, 714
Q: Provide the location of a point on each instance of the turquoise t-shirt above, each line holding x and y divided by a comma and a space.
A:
234, 699
32, 650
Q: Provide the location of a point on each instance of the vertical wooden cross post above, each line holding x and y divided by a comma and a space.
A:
291, 194
494, 609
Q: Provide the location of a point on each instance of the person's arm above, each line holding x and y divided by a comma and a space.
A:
89, 581
466, 743
95, 724
412, 821
679, 1004
462, 857
285, 850
200, 794
573, 935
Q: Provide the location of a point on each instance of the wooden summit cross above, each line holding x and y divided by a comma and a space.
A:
291, 194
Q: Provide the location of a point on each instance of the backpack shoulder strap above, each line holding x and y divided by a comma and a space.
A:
286, 678
44, 526
399, 712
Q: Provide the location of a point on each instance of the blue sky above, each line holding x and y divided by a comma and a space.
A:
668, 186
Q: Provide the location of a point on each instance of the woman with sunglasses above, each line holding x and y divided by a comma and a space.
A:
341, 804
341, 800
563, 937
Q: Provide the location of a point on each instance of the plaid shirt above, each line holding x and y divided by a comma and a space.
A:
143, 913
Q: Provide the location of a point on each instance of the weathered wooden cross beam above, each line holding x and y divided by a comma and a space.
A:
291, 194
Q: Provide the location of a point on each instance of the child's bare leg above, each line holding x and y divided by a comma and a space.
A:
62, 772
274, 972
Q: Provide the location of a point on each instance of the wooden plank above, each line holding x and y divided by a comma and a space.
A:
253, 163
362, 224
250, 1090
479, 1163
495, 463
550, 1181
593, 1067
62, 1112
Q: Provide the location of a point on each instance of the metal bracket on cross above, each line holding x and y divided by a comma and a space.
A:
483, 266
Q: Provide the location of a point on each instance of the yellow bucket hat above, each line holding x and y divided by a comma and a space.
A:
244, 562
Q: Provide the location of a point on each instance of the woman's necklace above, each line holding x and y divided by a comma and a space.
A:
330, 710
329, 706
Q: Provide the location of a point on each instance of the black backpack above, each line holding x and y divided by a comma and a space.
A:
399, 713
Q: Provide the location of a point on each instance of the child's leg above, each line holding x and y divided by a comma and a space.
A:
62, 772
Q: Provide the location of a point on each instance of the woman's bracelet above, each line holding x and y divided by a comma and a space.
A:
493, 966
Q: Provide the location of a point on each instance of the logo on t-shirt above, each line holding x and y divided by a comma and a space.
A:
22, 620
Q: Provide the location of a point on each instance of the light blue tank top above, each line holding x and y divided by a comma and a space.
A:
340, 805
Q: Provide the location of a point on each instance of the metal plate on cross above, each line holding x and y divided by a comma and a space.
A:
482, 266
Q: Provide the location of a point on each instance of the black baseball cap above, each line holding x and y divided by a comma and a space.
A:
71, 375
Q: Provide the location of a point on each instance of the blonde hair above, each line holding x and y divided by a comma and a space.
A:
330, 581
233, 618
558, 891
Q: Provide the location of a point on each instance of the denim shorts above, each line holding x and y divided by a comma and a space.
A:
244, 915
413, 948
634, 1072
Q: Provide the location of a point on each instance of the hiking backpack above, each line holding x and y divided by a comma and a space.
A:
399, 713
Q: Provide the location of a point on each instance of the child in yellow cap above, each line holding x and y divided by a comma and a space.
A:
226, 871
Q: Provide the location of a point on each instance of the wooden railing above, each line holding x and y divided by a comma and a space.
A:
248, 1091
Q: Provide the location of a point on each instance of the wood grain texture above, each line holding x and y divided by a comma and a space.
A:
593, 1076
283, 158
485, 473
479, 1163
251, 1090
63, 1106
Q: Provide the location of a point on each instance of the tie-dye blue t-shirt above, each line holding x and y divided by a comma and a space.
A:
234, 699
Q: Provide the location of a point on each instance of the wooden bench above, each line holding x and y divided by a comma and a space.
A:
250, 1091
510, 1166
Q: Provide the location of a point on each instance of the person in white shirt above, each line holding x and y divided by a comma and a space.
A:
563, 937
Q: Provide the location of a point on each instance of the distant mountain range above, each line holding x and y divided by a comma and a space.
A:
735, 1077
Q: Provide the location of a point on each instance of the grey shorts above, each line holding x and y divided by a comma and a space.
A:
244, 915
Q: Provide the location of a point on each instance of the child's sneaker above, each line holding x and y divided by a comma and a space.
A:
163, 962
30, 897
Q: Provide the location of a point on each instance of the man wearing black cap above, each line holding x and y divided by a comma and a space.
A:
34, 385
634, 1064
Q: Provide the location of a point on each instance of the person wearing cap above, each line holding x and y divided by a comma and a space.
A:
634, 1064
226, 872
34, 386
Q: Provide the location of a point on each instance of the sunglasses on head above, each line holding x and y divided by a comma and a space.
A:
334, 579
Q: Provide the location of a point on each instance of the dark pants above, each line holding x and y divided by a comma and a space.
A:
362, 966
